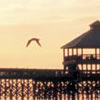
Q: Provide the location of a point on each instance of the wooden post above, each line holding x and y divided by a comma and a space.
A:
96, 53
63, 54
99, 53
82, 57
77, 51
72, 51
96, 58
68, 52
68, 56
64, 59
99, 59
86, 68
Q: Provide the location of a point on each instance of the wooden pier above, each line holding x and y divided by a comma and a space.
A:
79, 80
32, 84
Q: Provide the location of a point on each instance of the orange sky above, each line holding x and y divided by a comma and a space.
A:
55, 22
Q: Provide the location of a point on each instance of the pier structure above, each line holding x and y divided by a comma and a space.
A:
83, 53
39, 84
79, 80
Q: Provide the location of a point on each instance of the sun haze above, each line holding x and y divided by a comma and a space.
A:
55, 22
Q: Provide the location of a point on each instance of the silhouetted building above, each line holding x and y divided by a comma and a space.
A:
83, 52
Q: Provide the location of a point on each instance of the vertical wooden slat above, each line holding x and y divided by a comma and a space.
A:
68, 52
96, 58
63, 54
82, 58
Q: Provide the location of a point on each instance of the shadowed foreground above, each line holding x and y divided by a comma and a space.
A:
33, 84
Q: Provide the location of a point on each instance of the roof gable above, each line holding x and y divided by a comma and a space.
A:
90, 39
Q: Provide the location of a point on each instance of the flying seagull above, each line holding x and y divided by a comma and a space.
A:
33, 39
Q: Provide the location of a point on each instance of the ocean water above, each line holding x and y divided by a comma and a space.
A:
28, 89
63, 97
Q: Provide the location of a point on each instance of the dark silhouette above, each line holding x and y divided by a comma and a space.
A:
92, 58
33, 39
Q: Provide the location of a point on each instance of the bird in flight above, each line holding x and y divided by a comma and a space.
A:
33, 39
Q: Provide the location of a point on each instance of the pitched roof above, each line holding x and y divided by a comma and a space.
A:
90, 39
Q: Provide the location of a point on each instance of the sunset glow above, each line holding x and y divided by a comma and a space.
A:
55, 22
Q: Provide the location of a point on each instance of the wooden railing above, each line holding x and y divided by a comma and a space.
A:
83, 57
85, 72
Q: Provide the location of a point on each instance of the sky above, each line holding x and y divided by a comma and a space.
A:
55, 22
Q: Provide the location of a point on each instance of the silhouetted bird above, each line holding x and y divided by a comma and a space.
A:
33, 39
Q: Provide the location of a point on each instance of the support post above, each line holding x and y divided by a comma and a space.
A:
63, 54
96, 58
